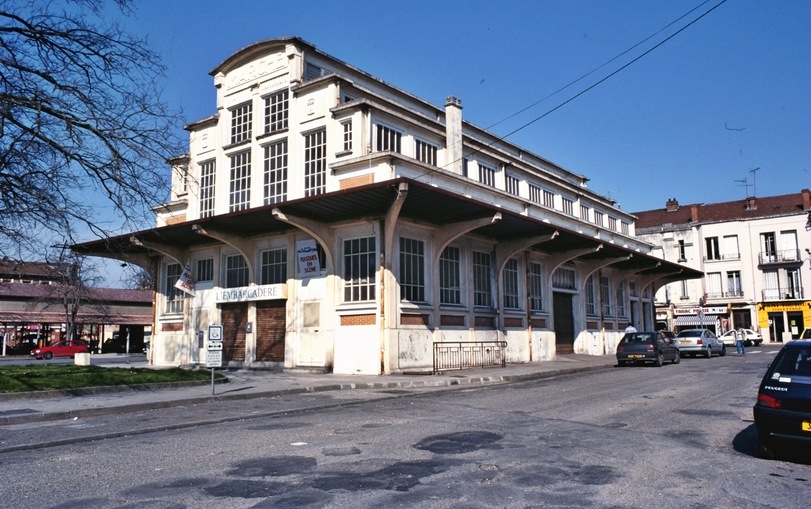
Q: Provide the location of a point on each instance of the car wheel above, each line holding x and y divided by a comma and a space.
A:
660, 359
723, 351
765, 451
708, 353
677, 359
48, 355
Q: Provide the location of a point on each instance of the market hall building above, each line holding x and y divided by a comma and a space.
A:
331, 221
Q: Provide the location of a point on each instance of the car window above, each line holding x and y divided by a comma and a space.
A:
636, 338
689, 333
793, 362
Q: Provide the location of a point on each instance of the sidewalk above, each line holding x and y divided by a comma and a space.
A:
254, 383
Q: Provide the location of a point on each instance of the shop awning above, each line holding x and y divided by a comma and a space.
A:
693, 320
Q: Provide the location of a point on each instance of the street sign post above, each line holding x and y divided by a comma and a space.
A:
214, 351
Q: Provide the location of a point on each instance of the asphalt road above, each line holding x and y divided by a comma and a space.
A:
672, 437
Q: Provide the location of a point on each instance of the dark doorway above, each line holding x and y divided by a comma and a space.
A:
795, 323
234, 321
777, 326
270, 330
564, 322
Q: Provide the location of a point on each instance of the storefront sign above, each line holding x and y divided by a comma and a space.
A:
720, 310
308, 263
251, 293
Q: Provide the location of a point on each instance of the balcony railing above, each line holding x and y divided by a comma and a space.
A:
784, 256
730, 294
782, 294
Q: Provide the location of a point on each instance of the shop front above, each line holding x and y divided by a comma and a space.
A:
781, 322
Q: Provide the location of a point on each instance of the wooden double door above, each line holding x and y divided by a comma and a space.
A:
270, 330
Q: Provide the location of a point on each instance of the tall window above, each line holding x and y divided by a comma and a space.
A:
205, 270
605, 295
482, 289
241, 118
274, 267
771, 286
315, 163
734, 288
598, 218
511, 284
426, 152
388, 139
622, 310
207, 179
450, 290
412, 270
535, 194
535, 286
591, 297
487, 175
794, 288
714, 289
568, 206
276, 172
768, 246
174, 296
730, 248
359, 269
239, 197
624, 227
347, 135
584, 212
511, 185
612, 223
236, 271
713, 253
681, 251
276, 112
548, 199
788, 245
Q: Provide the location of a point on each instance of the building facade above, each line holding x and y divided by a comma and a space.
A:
329, 220
35, 301
754, 254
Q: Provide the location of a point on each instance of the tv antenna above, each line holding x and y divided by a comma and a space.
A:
754, 171
744, 183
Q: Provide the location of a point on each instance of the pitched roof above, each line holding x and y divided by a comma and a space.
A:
751, 208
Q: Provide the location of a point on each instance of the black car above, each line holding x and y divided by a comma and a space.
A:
653, 347
783, 409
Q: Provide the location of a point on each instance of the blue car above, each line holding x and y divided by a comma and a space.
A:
783, 409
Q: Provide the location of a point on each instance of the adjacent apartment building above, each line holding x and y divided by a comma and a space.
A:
329, 220
754, 254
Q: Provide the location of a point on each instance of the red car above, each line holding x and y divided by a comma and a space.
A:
61, 349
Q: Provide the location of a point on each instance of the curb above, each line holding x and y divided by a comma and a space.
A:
36, 416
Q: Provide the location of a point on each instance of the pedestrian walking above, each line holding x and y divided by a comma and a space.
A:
739, 342
630, 329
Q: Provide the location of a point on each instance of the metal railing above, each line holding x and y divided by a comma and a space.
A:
784, 256
469, 354
783, 294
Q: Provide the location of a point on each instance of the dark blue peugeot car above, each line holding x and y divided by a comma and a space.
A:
783, 409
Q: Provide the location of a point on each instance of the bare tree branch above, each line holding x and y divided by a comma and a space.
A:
82, 125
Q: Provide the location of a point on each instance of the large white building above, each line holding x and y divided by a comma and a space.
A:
332, 221
754, 255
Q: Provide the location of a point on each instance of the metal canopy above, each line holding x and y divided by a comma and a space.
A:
424, 203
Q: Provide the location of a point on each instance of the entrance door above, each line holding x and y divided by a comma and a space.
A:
564, 322
777, 326
234, 321
270, 330
795, 323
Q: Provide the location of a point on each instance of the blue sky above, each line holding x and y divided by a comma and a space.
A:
689, 120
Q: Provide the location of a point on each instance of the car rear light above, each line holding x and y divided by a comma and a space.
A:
768, 401
650, 348
699, 342
619, 348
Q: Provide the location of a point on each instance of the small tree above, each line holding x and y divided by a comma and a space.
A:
84, 135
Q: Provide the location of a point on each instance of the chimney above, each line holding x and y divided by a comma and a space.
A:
806, 199
672, 205
694, 213
453, 134
751, 203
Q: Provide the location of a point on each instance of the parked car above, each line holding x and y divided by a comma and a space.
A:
640, 347
783, 409
60, 349
699, 342
806, 334
751, 338
24, 347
